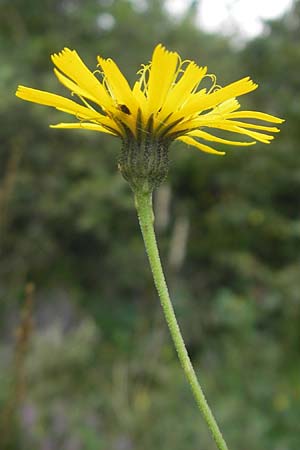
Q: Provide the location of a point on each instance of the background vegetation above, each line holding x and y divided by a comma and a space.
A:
86, 360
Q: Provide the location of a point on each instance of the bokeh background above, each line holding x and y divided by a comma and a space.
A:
86, 359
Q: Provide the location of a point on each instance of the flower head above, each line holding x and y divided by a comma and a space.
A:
166, 103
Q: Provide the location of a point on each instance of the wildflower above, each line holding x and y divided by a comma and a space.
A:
166, 103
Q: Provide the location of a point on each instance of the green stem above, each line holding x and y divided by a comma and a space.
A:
146, 219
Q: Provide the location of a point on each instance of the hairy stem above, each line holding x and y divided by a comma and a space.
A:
143, 203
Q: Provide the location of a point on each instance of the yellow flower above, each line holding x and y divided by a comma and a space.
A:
165, 104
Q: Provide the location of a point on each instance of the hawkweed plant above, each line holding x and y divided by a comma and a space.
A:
167, 103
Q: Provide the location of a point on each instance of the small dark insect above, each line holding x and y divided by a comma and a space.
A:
125, 109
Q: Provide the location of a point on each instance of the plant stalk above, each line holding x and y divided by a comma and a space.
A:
143, 203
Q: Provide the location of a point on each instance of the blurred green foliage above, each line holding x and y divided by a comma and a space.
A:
99, 369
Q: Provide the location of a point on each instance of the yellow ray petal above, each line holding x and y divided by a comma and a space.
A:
218, 113
253, 126
57, 101
261, 137
84, 126
73, 87
139, 94
224, 108
121, 92
214, 119
209, 137
255, 115
63, 104
180, 93
142, 101
117, 84
69, 62
202, 147
199, 103
162, 74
